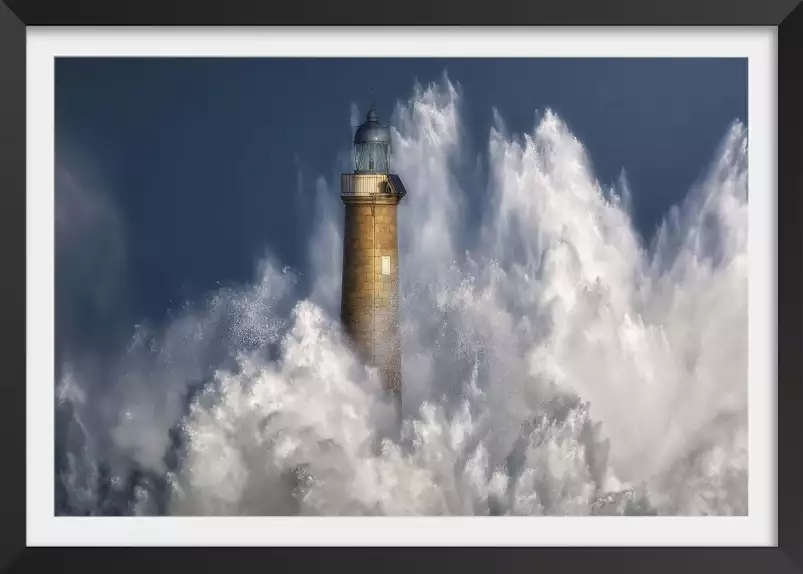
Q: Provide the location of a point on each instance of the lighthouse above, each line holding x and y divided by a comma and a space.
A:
369, 308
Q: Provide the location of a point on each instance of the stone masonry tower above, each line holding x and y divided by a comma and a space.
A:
369, 307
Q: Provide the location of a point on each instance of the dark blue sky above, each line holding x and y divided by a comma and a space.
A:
200, 157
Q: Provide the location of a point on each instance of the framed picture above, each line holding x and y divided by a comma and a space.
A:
498, 280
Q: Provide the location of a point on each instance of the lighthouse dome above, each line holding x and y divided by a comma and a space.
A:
372, 131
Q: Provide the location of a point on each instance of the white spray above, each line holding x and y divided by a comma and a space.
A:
553, 363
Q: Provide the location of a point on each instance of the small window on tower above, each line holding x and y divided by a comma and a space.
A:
385, 265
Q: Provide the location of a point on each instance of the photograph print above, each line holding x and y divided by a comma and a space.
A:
403, 286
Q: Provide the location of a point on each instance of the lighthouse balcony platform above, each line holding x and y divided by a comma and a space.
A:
356, 185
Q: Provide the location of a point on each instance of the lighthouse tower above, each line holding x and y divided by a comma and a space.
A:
369, 308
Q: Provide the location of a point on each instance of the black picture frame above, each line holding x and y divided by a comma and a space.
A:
787, 15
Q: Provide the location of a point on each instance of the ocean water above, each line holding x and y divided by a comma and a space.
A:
553, 362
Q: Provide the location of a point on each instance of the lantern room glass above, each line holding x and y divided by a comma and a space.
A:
372, 157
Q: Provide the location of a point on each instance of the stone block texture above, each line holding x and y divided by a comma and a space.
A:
369, 307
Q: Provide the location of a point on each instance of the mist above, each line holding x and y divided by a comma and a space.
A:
555, 362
